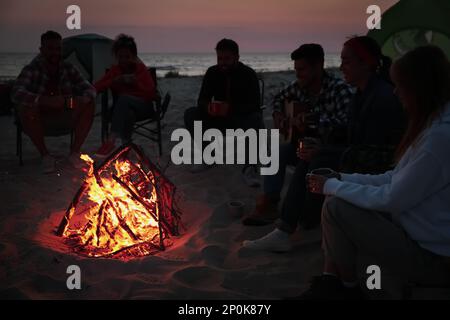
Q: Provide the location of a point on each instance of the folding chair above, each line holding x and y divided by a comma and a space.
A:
47, 133
150, 128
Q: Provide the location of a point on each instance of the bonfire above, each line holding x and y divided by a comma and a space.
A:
123, 209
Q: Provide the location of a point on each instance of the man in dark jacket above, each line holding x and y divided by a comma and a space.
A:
229, 97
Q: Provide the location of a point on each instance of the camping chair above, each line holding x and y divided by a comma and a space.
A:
48, 132
142, 127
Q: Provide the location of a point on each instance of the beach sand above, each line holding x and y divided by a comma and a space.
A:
205, 262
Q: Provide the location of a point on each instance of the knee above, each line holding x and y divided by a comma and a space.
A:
89, 108
332, 209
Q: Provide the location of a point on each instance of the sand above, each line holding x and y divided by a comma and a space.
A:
205, 262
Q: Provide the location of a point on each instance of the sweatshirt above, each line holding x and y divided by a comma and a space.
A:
144, 86
416, 192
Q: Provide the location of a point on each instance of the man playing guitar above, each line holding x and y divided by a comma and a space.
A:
315, 105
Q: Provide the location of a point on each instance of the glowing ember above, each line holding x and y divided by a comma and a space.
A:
126, 208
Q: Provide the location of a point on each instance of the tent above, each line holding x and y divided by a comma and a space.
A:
90, 53
411, 23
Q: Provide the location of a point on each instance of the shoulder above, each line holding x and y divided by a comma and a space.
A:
213, 70
246, 69
336, 85
33, 65
140, 67
437, 139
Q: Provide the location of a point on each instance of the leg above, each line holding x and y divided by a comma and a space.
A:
349, 230
31, 121
299, 205
273, 184
295, 198
126, 110
82, 118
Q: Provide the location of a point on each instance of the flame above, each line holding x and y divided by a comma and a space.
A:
123, 214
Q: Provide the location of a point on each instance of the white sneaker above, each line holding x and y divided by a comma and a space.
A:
76, 162
48, 164
251, 176
275, 241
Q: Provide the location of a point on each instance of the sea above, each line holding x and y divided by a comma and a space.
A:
182, 64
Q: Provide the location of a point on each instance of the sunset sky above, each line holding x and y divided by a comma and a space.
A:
191, 25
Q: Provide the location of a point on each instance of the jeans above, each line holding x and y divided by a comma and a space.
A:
127, 110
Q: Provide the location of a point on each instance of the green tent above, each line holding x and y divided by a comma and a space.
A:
411, 23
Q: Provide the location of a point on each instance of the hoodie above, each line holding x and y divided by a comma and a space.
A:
416, 192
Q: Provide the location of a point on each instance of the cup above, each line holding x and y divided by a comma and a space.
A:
218, 108
326, 172
236, 208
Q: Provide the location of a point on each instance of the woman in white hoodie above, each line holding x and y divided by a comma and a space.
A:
400, 218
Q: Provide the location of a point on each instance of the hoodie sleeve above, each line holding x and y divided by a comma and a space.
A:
421, 177
106, 81
145, 83
368, 179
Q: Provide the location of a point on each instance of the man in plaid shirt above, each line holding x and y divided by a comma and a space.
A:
51, 95
325, 97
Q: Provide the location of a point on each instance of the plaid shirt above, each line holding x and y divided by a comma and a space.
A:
33, 82
332, 104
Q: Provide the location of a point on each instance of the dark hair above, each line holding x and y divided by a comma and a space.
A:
50, 35
228, 45
425, 73
124, 41
372, 48
311, 52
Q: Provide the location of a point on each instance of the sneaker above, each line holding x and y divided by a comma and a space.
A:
251, 176
329, 287
265, 212
76, 161
275, 241
106, 149
48, 164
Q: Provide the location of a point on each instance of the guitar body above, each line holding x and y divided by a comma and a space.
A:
289, 132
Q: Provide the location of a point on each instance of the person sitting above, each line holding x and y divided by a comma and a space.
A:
134, 89
399, 218
229, 99
328, 98
376, 119
50, 93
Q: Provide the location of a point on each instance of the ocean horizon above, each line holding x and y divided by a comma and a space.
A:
182, 64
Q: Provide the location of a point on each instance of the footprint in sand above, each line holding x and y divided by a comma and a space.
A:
214, 255
203, 278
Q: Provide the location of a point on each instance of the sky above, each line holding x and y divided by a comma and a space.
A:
191, 25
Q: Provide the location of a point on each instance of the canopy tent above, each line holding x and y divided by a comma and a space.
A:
91, 53
411, 23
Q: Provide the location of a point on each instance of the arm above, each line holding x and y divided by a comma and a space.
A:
418, 179
106, 81
20, 94
342, 97
250, 96
386, 121
368, 179
145, 83
206, 91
